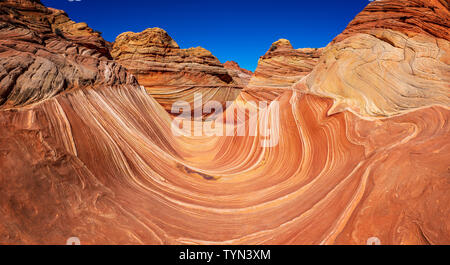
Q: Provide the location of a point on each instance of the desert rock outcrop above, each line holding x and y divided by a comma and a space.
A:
43, 53
281, 67
244, 74
393, 57
172, 74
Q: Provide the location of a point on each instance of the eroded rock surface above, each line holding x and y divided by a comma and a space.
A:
43, 53
172, 74
244, 74
392, 58
281, 67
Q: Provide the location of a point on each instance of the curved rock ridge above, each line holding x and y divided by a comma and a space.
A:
104, 166
244, 74
102, 162
43, 53
172, 74
281, 67
394, 57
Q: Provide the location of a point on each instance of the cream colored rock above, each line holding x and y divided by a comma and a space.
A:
386, 70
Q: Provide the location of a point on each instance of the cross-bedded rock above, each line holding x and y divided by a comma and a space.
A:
170, 73
43, 53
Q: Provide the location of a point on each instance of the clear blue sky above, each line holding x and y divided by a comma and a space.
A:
237, 30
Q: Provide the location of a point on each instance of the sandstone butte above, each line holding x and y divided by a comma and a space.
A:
171, 74
281, 67
244, 74
86, 152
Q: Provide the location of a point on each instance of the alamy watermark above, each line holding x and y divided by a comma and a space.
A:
73, 241
373, 241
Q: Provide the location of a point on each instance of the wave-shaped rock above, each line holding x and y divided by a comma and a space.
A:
100, 161
101, 165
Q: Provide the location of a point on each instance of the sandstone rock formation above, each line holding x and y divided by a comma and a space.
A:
85, 152
244, 74
392, 58
171, 74
281, 67
43, 53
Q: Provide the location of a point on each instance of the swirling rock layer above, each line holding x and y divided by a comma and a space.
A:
100, 161
411, 17
101, 165
171, 74
392, 58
